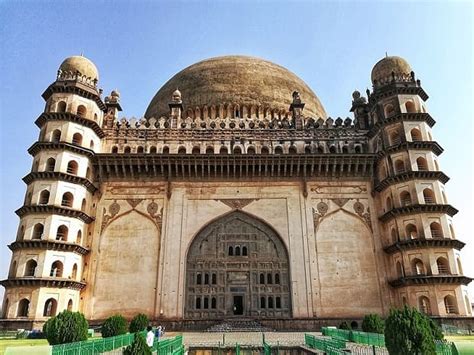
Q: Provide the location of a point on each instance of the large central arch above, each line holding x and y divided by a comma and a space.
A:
237, 266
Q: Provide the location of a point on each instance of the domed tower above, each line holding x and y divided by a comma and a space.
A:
416, 218
48, 255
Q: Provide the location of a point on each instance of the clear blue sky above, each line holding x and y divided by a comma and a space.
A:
138, 45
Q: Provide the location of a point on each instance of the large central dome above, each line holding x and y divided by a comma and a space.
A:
236, 80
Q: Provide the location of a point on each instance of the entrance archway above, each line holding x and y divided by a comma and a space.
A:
232, 265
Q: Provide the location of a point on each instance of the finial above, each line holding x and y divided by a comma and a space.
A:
82, 54
386, 54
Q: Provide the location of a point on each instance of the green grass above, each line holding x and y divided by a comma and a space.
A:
4, 343
464, 343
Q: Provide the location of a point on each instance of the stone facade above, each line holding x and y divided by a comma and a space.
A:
238, 203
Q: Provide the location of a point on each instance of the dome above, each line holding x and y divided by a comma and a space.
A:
80, 64
384, 68
237, 80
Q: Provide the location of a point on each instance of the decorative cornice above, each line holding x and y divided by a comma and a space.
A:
48, 244
179, 166
63, 211
405, 146
411, 175
418, 208
401, 117
397, 88
74, 87
424, 243
38, 146
70, 117
430, 280
51, 282
56, 175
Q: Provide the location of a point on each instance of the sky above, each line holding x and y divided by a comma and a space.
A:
138, 45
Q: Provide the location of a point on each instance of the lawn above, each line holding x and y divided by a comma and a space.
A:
4, 343
464, 343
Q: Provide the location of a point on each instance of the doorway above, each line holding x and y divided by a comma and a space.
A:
238, 305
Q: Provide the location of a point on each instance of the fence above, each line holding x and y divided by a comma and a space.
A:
173, 346
331, 346
446, 348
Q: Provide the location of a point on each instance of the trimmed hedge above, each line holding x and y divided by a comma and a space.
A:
66, 327
115, 325
139, 323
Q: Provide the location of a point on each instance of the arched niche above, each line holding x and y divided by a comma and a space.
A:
127, 267
238, 288
347, 266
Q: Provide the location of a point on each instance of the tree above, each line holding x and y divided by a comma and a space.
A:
373, 323
66, 327
138, 347
138, 323
408, 331
115, 325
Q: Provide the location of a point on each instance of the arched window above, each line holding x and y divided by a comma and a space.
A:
209, 150
5, 309
358, 149
69, 306
95, 117
443, 266
74, 272
244, 251
405, 199
62, 233
270, 302
307, 149
237, 150
199, 279
400, 272
214, 278
206, 302
250, 150
450, 305
262, 302
81, 111
83, 205
12, 272
23, 308
206, 279
292, 150
332, 149
411, 231
416, 135
50, 164
67, 199
79, 237
278, 302
50, 308
231, 251
213, 303
458, 261
114, 149
389, 110
38, 230
421, 164
237, 251
77, 139
265, 150
269, 279
410, 106
262, 279
277, 278
388, 203
429, 196
198, 303
88, 173
153, 150
436, 230
30, 267
196, 150
182, 150
166, 150
417, 267
345, 149
399, 166
72, 167
140, 150
424, 305
127, 150
278, 150
61, 106
56, 136
44, 197
56, 269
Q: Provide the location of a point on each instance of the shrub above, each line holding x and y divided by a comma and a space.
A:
115, 325
435, 329
66, 327
138, 323
345, 326
407, 331
373, 323
138, 347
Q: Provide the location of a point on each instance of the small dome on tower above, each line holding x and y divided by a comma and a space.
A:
115, 93
80, 64
176, 95
384, 68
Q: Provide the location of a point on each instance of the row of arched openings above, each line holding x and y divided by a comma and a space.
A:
389, 109
77, 138
424, 305
237, 251
203, 302
418, 267
67, 199
206, 279
411, 232
62, 233
49, 309
267, 302
81, 110
406, 199
72, 167
269, 279
55, 271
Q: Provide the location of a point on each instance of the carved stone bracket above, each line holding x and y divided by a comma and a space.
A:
237, 204
362, 213
114, 209
157, 216
320, 211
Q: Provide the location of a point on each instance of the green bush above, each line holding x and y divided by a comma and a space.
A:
345, 326
138, 347
115, 325
66, 327
435, 329
407, 331
373, 323
139, 323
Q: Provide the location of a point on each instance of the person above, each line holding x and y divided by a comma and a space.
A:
150, 336
158, 333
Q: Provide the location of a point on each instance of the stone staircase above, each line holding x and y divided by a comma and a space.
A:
239, 325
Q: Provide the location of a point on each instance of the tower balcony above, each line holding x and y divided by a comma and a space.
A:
59, 176
69, 117
418, 208
420, 243
416, 280
401, 117
50, 209
38, 146
416, 145
50, 282
49, 244
410, 176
